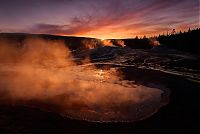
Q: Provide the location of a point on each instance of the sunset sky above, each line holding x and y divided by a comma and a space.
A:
99, 18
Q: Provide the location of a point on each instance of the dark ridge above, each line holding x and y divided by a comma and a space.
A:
72, 42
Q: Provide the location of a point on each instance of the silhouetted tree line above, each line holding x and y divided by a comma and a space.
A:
185, 41
188, 41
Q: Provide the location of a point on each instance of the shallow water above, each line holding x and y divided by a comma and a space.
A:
80, 92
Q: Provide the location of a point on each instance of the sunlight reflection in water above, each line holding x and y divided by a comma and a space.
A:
85, 93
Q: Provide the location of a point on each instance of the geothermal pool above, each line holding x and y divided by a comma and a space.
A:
48, 76
80, 92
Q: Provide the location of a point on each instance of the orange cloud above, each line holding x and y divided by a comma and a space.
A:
124, 19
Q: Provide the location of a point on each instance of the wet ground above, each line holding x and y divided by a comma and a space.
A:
146, 91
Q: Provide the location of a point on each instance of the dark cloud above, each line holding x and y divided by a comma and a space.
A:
47, 28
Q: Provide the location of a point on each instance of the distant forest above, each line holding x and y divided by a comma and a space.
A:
188, 41
185, 41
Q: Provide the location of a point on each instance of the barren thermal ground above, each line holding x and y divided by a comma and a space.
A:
45, 75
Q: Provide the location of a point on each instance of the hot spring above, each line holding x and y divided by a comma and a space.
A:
45, 76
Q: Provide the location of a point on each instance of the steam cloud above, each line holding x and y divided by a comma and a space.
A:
110, 43
154, 42
43, 73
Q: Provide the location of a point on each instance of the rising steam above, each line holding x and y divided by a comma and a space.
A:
43, 73
107, 42
111, 43
154, 42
